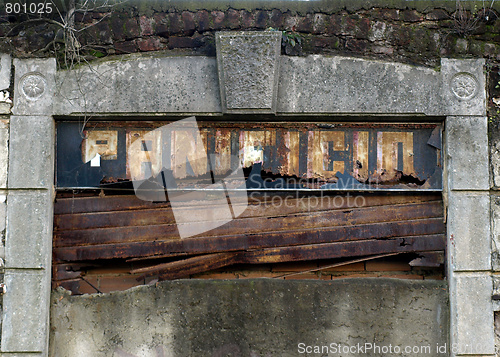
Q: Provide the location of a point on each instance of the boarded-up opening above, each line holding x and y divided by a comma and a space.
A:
330, 201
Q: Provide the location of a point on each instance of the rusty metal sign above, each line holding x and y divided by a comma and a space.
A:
276, 156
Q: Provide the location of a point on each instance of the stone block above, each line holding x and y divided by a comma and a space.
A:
180, 85
467, 153
15, 354
29, 229
34, 86
469, 231
472, 315
248, 64
318, 84
4, 152
3, 216
5, 69
463, 84
25, 311
495, 234
31, 152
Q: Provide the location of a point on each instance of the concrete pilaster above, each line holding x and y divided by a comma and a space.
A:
30, 178
469, 236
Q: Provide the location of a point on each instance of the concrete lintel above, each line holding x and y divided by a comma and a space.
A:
469, 242
34, 86
248, 67
467, 152
29, 229
320, 84
472, 321
26, 311
313, 84
140, 85
464, 86
31, 152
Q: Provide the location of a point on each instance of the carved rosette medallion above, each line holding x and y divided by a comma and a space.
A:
33, 85
464, 86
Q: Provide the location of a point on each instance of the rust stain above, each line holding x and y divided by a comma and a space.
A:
102, 142
360, 155
144, 154
390, 154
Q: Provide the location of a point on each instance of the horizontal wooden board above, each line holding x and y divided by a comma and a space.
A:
128, 230
250, 241
345, 249
97, 204
93, 232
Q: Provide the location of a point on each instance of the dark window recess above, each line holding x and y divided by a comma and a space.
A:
325, 156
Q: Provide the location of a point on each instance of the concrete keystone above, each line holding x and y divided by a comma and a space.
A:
248, 64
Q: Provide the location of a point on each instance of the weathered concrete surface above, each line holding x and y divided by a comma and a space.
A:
3, 216
4, 151
144, 85
31, 157
25, 327
249, 318
467, 153
495, 234
248, 65
5, 69
469, 231
34, 86
464, 86
318, 84
472, 318
314, 84
29, 229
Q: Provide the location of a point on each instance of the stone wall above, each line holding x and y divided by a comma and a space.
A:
263, 317
403, 34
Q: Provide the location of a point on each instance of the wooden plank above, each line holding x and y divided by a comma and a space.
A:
345, 249
194, 265
102, 204
131, 202
125, 233
301, 216
186, 267
249, 241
